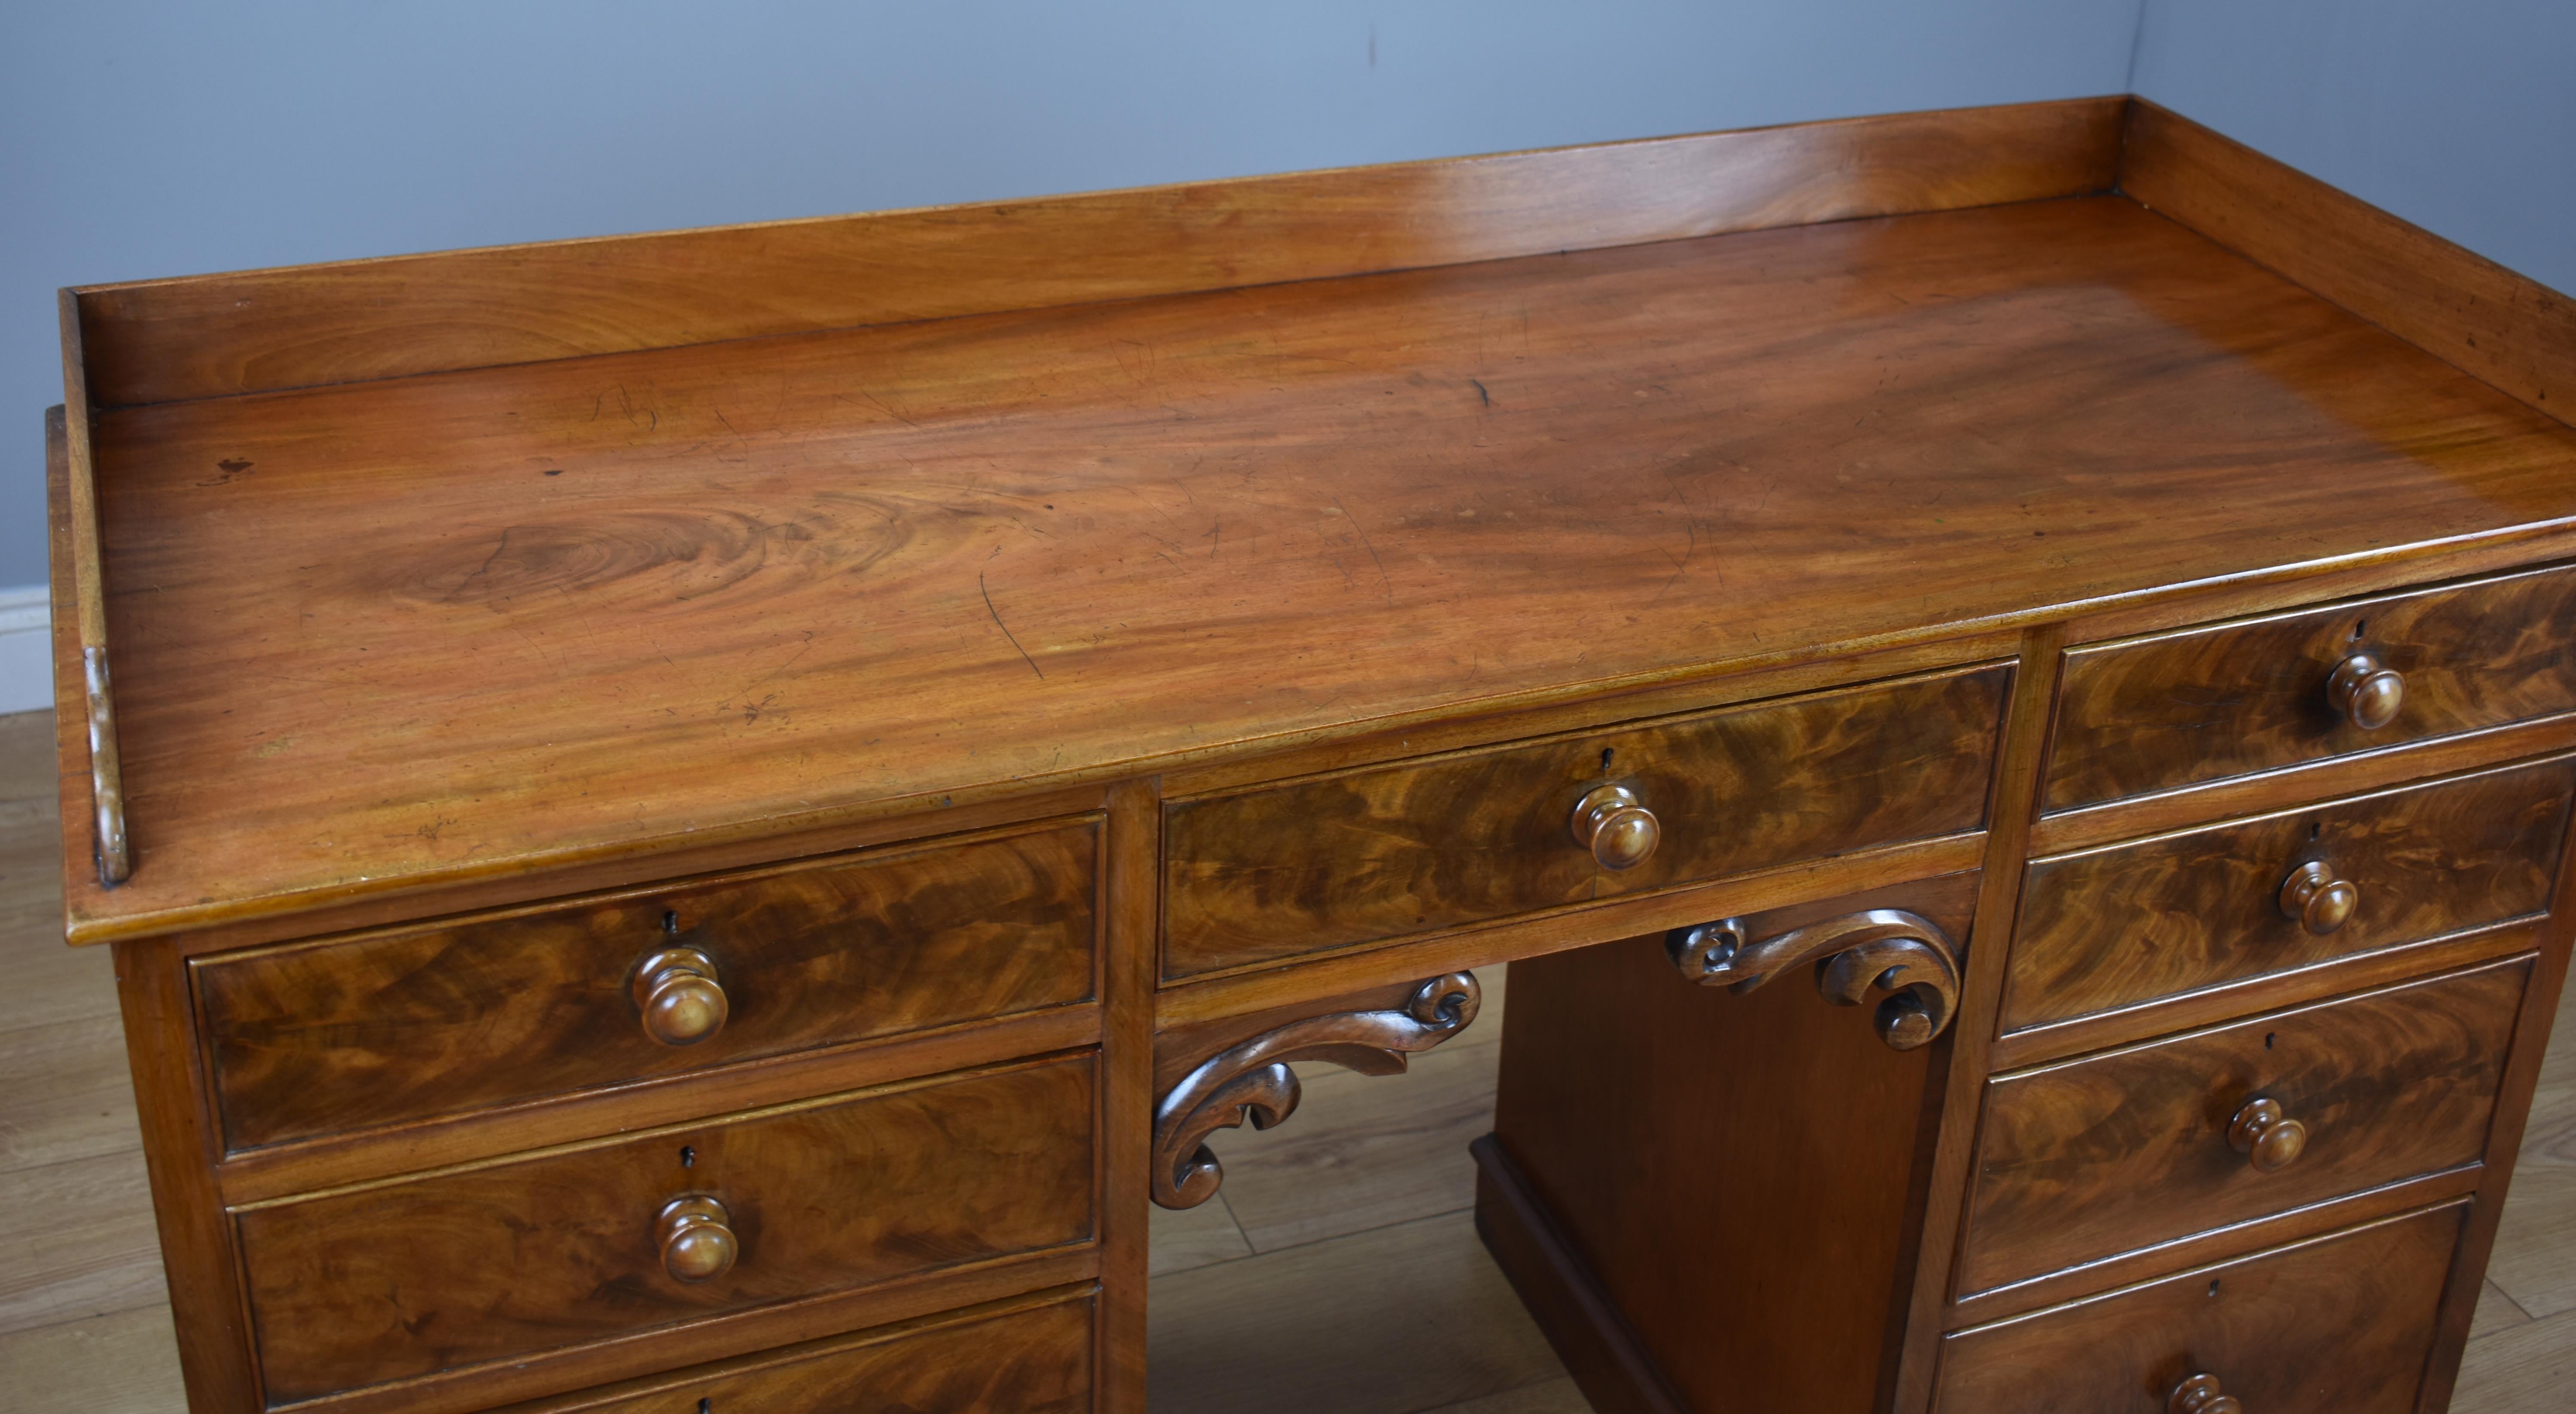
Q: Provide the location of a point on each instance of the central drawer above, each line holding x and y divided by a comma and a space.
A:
2091, 1158
1375, 853
511, 1259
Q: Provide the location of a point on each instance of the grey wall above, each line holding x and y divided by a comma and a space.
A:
2459, 115
142, 140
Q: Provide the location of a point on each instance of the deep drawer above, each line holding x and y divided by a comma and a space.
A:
558, 1249
320, 1038
2339, 1323
2090, 1158
2148, 714
2133, 922
1483, 835
1035, 1359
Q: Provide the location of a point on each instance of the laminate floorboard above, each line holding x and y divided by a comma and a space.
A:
2535, 1251
1393, 1305
70, 1096
1396, 1320
125, 1362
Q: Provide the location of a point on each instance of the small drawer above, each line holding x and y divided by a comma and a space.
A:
2128, 923
311, 1039
561, 1248
1034, 1358
2149, 714
2091, 1158
1435, 843
2340, 1323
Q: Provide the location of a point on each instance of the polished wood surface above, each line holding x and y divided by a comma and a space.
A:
2342, 1323
161, 340
501, 1262
1958, 1088
2090, 1158
2207, 703
319, 1038
1028, 1356
1684, 1140
2508, 329
779, 583
2130, 923
1260, 875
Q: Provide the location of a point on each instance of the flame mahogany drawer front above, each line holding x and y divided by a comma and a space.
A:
557, 1249
1032, 1360
2129, 923
1378, 852
2341, 1323
318, 1038
2090, 1158
2172, 709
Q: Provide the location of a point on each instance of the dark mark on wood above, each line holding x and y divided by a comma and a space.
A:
1481, 393
1006, 628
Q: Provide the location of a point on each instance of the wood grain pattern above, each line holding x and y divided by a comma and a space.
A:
159, 340
779, 583
2135, 922
1127, 1093
2341, 1323
367, 1155
2508, 329
327, 1037
2207, 703
1762, 1249
1267, 874
2295, 785
451, 1271
1963, 1068
2225, 1001
2094, 1157
1028, 1357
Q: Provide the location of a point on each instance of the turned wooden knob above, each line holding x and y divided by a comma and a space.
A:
2317, 899
2366, 692
2264, 1133
682, 1002
696, 1238
1619, 830
2200, 1394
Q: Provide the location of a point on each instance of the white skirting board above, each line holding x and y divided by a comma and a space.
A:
26, 650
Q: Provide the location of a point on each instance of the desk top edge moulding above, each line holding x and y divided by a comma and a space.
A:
713, 818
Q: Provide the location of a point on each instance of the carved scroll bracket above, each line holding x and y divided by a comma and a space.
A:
1880, 950
1252, 1080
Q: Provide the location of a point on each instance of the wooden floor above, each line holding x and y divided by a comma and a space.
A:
1337, 1271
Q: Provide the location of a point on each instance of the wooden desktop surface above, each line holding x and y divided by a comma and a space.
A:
391, 633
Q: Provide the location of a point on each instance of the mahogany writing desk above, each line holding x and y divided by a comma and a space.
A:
702, 821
